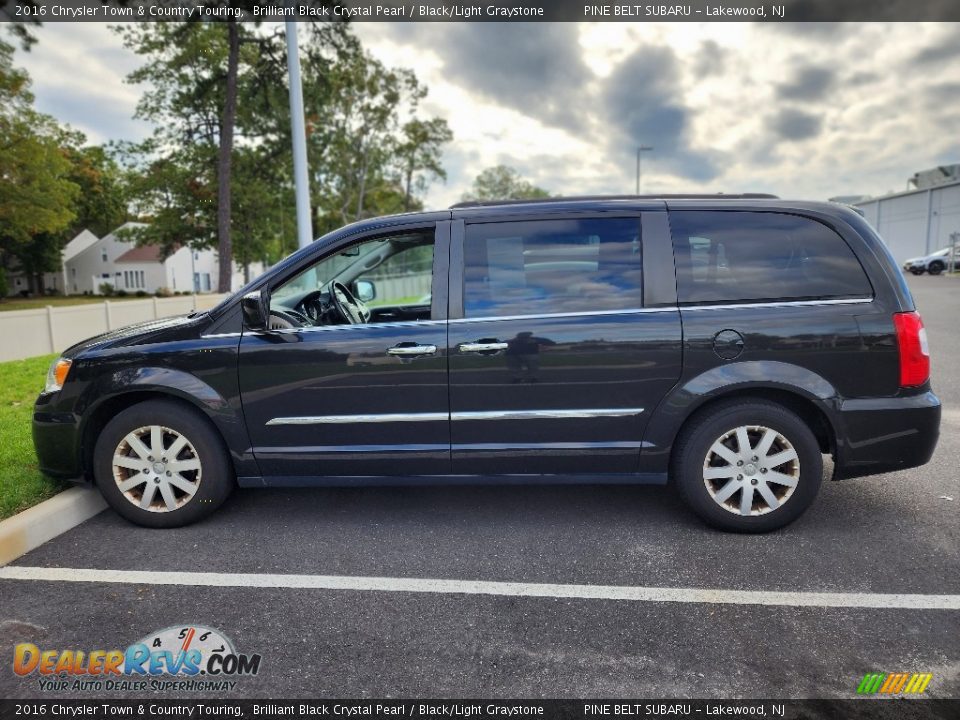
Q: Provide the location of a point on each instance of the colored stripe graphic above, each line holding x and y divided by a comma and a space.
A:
893, 683
871, 683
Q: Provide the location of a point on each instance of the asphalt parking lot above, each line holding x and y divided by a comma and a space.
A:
896, 533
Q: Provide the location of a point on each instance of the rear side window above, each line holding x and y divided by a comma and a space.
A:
752, 256
552, 266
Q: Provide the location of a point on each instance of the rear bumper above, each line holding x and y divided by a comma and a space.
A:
879, 435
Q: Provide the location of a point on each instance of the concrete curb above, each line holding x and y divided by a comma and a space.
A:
34, 526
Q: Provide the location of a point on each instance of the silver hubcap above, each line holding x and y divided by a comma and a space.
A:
751, 470
156, 468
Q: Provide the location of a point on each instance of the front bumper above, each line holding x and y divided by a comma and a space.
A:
878, 435
56, 438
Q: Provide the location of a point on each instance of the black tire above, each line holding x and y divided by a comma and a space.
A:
917, 271
698, 437
215, 478
936, 267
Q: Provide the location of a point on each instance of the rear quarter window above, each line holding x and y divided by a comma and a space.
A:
725, 257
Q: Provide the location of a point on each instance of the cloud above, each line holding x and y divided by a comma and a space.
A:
642, 104
99, 121
817, 31
942, 52
78, 72
710, 59
808, 83
726, 106
537, 69
793, 124
864, 77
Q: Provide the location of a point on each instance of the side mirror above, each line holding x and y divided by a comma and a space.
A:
365, 290
256, 309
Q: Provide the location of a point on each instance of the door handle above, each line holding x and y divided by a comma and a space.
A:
477, 347
412, 350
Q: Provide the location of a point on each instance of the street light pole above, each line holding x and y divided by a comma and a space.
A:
299, 133
641, 149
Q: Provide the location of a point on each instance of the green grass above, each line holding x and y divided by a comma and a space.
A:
21, 483
35, 303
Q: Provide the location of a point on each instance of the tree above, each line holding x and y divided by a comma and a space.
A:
102, 203
370, 149
21, 28
419, 154
217, 90
99, 206
503, 183
263, 196
197, 72
37, 194
174, 194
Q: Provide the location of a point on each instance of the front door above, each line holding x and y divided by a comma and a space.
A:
555, 362
352, 380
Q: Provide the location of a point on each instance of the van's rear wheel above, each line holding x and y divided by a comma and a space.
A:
748, 466
160, 464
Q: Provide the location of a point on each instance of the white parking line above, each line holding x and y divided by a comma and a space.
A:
485, 587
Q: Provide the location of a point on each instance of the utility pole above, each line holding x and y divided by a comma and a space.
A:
298, 132
641, 149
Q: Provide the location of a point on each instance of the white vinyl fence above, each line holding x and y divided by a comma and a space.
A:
395, 287
27, 333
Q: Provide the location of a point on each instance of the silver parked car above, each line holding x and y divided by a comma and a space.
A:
934, 263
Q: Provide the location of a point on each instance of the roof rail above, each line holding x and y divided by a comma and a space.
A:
573, 198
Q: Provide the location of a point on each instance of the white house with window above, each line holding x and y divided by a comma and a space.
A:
57, 282
90, 262
186, 270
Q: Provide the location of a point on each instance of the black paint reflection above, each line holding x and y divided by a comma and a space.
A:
523, 356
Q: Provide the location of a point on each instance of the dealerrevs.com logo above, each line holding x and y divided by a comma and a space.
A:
190, 657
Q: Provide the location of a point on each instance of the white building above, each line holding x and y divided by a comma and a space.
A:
90, 262
56, 281
917, 222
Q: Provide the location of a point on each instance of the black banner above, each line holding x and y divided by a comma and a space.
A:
479, 11
872, 709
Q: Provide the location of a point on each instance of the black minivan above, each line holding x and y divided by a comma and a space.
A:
723, 344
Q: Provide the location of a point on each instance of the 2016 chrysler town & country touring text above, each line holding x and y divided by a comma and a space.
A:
722, 343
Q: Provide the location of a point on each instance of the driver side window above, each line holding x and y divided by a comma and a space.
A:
387, 279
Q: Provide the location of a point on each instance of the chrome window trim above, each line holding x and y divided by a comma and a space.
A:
779, 303
330, 328
585, 313
222, 335
455, 416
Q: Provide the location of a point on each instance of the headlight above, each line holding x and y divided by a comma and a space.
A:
57, 374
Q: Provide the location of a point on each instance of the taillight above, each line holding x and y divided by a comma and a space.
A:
914, 352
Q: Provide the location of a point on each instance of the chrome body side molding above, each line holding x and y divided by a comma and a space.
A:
456, 416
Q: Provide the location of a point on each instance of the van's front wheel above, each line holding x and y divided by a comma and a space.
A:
160, 464
748, 466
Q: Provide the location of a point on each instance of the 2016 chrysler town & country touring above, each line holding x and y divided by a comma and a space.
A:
721, 343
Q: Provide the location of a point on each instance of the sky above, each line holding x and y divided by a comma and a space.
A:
807, 110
